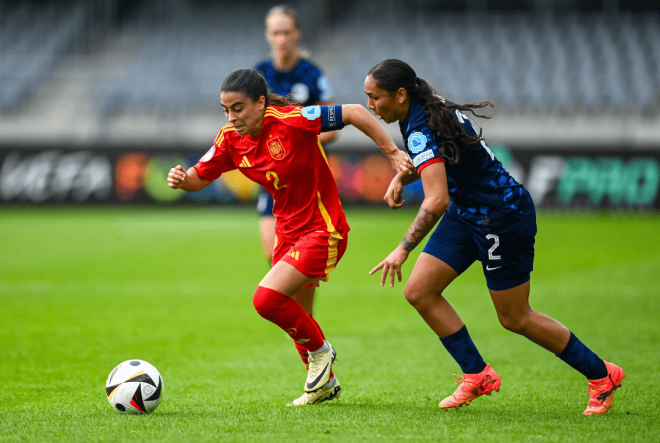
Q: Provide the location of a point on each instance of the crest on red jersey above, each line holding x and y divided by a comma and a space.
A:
276, 148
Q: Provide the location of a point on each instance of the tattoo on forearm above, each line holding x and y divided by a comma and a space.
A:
423, 223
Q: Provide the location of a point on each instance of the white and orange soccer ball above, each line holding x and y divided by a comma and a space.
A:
134, 387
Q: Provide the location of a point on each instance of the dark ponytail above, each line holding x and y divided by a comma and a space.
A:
393, 74
253, 84
278, 100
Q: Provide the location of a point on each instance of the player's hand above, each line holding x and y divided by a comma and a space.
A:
391, 265
177, 177
401, 162
393, 195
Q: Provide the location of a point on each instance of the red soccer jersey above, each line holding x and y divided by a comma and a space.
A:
287, 159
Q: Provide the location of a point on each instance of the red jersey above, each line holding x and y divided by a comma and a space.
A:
287, 159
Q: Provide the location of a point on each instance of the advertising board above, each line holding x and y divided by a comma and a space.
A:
571, 178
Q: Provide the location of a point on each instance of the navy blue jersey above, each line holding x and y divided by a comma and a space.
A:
305, 81
480, 189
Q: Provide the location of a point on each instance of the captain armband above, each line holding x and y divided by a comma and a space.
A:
331, 118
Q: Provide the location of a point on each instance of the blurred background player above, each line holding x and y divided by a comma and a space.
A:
276, 146
488, 217
288, 72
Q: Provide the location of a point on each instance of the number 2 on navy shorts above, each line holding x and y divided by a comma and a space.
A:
506, 252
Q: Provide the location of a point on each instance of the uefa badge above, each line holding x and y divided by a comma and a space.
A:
311, 112
300, 92
209, 155
416, 142
324, 86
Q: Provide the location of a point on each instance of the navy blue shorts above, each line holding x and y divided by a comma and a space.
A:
506, 252
265, 204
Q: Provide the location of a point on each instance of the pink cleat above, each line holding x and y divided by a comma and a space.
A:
601, 391
471, 387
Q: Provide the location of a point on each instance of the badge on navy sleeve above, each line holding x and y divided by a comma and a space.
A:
300, 92
417, 142
209, 155
324, 86
311, 112
426, 155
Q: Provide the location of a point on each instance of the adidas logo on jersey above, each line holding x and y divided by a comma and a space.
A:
245, 163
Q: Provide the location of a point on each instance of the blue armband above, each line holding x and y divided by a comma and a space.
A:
331, 118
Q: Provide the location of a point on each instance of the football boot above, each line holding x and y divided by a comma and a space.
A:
320, 366
602, 390
329, 392
472, 386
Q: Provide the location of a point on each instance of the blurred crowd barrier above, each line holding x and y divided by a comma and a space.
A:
569, 178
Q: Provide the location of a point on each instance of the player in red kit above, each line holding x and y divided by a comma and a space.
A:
276, 145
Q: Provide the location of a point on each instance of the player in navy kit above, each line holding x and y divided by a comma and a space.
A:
288, 73
488, 217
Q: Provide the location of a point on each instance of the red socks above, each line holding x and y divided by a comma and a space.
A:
302, 352
318, 326
305, 331
332, 374
304, 356
290, 316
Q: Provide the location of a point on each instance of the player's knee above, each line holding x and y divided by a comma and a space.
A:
513, 322
415, 295
263, 302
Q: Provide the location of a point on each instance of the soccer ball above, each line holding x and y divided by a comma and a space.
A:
134, 387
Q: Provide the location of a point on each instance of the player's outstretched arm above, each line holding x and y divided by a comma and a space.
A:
361, 118
436, 201
190, 181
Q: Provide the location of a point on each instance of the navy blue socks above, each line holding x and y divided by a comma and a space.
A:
583, 359
576, 355
462, 348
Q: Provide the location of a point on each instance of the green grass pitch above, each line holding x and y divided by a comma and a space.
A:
84, 288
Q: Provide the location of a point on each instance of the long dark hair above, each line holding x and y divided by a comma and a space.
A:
393, 74
253, 84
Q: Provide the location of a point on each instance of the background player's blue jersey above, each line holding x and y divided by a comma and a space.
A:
480, 189
305, 81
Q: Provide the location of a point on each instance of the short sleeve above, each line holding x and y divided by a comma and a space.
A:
314, 119
323, 118
421, 147
216, 161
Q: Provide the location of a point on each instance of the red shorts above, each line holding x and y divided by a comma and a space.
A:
315, 254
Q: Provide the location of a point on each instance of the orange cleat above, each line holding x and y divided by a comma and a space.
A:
471, 387
601, 391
